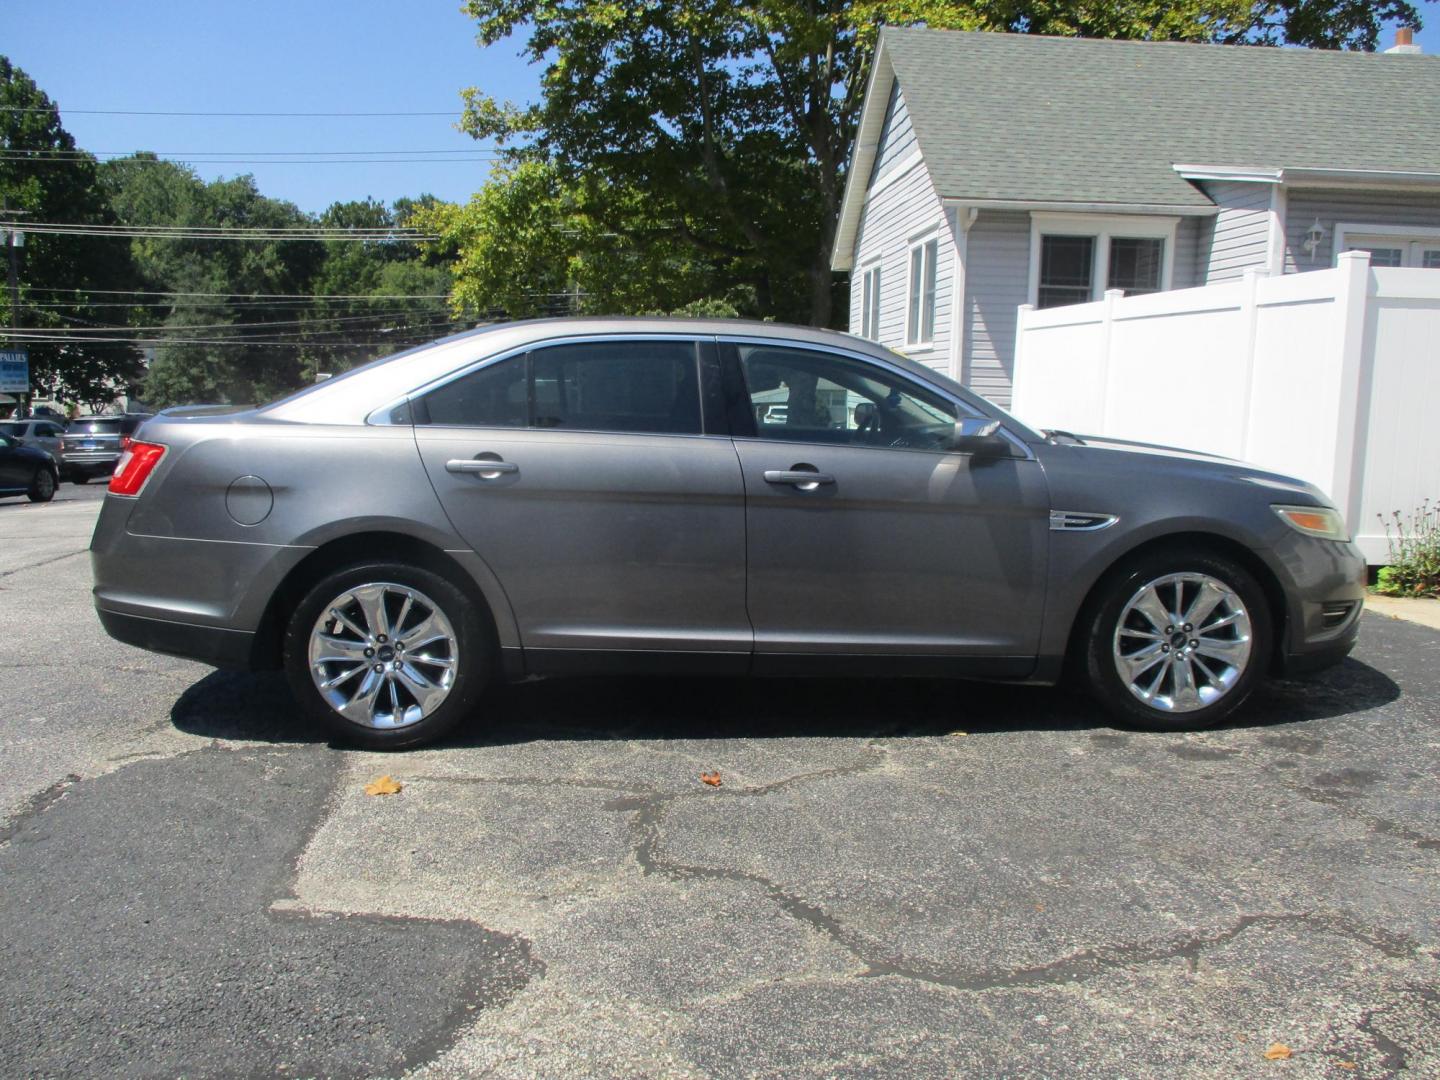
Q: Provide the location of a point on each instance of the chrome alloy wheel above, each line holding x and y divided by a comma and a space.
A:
383, 655
1182, 642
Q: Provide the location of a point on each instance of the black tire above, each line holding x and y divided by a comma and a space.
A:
42, 486
1101, 668
475, 668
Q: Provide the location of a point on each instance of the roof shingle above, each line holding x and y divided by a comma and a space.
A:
1022, 117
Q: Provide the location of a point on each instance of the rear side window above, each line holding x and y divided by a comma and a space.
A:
636, 387
494, 396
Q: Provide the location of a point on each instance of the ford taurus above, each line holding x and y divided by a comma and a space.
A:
616, 495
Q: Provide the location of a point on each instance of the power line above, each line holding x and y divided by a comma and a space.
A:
479, 160
251, 296
59, 152
153, 112
115, 327
178, 232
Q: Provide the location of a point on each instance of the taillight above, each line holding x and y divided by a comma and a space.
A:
135, 467
125, 442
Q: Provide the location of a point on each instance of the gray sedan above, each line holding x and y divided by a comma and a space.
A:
671, 496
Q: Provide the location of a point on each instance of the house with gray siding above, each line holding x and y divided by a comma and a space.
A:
995, 170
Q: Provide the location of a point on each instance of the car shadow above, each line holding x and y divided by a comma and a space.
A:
259, 708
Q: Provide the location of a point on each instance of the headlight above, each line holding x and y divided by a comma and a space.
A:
1318, 521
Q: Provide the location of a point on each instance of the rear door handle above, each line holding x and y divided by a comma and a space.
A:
805, 479
485, 468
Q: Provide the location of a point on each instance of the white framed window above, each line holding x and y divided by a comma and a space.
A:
870, 303
920, 311
1075, 258
1389, 246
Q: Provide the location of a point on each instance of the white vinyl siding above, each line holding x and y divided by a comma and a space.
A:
897, 138
1392, 209
894, 218
997, 282
1240, 233
1189, 269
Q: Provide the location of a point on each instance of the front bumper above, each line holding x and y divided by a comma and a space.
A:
1324, 603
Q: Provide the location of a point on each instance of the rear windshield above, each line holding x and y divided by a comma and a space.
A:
96, 425
12, 429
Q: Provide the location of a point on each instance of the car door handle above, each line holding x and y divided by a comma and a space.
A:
485, 468
807, 479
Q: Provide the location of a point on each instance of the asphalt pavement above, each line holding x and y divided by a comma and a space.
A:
893, 879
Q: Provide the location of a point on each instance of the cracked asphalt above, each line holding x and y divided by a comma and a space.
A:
895, 879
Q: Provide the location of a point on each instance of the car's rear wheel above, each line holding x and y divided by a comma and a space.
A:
387, 656
1178, 640
42, 486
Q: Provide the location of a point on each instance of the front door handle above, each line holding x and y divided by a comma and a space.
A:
804, 477
487, 468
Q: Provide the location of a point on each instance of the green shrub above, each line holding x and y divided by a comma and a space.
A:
1414, 568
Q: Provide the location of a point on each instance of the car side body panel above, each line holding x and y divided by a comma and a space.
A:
604, 541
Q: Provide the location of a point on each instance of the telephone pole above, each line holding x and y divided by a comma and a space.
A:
13, 239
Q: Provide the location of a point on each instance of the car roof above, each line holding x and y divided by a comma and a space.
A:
355, 394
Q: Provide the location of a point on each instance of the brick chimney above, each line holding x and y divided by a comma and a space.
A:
1404, 42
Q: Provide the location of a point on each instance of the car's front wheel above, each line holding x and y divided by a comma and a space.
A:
42, 486
388, 656
1177, 641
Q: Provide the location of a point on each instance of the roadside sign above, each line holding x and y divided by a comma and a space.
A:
14, 371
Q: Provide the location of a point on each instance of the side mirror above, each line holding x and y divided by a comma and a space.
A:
979, 436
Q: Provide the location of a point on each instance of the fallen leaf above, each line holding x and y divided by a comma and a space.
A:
1039, 907
386, 785
711, 778
958, 734
1347, 1064
1277, 1052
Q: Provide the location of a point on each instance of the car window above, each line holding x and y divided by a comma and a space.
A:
108, 425
804, 395
643, 387
11, 429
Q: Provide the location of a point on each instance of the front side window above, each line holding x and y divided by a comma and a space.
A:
920, 319
642, 387
800, 395
870, 304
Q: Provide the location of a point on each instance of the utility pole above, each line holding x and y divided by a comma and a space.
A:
13, 239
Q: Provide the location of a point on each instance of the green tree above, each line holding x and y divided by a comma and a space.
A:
44, 178
217, 347
724, 129
370, 321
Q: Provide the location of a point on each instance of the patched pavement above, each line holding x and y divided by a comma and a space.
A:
895, 878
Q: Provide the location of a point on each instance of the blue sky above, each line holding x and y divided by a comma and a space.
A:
295, 56
299, 56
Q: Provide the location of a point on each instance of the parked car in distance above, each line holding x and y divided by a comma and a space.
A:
26, 470
37, 431
608, 495
93, 444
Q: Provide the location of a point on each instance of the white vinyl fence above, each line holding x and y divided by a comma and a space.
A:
1332, 376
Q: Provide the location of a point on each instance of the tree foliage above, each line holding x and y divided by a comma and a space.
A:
59, 275
715, 135
236, 344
